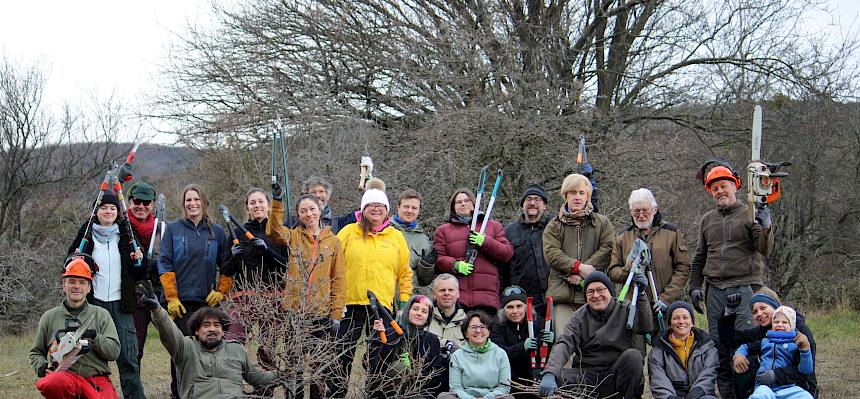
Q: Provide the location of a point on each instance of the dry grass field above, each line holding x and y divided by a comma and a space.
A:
837, 335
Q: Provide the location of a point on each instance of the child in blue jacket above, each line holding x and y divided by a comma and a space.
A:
778, 349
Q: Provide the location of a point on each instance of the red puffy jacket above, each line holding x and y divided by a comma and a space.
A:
481, 287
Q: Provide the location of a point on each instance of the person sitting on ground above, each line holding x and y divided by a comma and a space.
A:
208, 366
763, 304
606, 357
683, 361
89, 376
511, 333
777, 350
480, 369
392, 362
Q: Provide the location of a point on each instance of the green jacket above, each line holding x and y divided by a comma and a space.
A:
731, 249
563, 244
479, 375
447, 331
103, 348
205, 374
417, 241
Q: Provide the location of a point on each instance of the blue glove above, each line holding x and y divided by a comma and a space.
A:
548, 336
548, 385
530, 344
237, 250
260, 243
762, 216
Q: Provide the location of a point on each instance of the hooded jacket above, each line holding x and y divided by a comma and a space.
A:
669, 258
789, 374
730, 249
481, 287
268, 265
419, 245
778, 351
668, 377
563, 244
598, 338
528, 268
203, 374
376, 262
510, 337
129, 272
196, 254
474, 374
321, 274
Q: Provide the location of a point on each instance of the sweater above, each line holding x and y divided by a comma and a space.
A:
476, 375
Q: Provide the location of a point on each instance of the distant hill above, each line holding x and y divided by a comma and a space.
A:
155, 161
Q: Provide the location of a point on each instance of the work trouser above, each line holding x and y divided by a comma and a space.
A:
68, 385
624, 377
356, 320
127, 363
182, 324
715, 301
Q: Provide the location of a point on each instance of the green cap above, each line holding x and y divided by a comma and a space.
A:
142, 191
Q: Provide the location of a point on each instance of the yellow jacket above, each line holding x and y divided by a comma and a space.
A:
318, 284
375, 263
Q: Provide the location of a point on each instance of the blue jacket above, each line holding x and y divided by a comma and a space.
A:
196, 254
777, 351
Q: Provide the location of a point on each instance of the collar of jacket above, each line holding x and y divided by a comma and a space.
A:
253, 224
731, 209
324, 233
456, 220
204, 223
459, 314
405, 227
657, 222
700, 338
604, 315
541, 223
79, 310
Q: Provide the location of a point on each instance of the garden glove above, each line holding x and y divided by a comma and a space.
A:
237, 250
548, 385
214, 298
175, 308
277, 191
476, 239
659, 306
406, 360
147, 296
530, 344
762, 216
464, 268
696, 298
261, 243
641, 281
548, 336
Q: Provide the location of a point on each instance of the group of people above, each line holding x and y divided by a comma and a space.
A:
459, 302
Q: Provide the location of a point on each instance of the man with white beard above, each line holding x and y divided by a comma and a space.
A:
670, 260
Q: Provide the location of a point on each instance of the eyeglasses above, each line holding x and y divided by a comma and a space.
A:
461, 202
376, 206
513, 290
141, 202
598, 291
637, 211
476, 328
533, 199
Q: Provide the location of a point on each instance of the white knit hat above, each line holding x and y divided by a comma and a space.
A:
374, 196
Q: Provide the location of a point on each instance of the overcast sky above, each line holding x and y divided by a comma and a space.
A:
115, 46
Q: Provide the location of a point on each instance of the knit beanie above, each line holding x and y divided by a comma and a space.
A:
374, 196
600, 277
681, 305
533, 189
789, 314
765, 298
109, 197
513, 293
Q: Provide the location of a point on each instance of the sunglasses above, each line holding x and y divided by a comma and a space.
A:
513, 290
141, 202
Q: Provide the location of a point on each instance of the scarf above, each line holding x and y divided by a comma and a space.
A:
575, 218
781, 337
467, 220
376, 229
143, 229
682, 347
412, 225
104, 234
480, 349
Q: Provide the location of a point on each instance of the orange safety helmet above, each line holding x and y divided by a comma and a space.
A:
78, 267
721, 173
